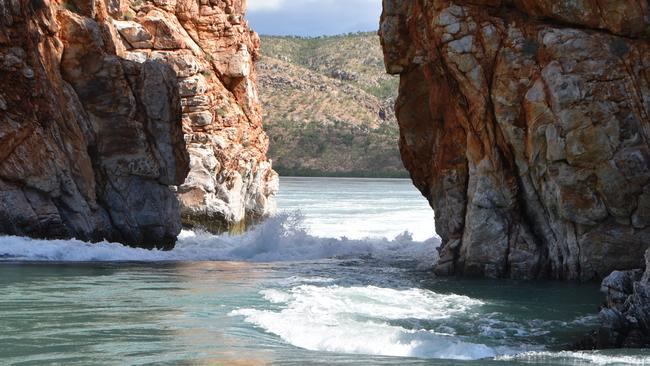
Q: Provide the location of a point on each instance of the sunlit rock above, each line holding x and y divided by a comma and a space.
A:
99, 102
525, 125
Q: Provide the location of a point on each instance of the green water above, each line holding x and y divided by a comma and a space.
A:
181, 313
287, 293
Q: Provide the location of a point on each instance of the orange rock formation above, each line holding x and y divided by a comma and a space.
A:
526, 123
100, 103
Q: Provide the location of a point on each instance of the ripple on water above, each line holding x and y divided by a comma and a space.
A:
578, 358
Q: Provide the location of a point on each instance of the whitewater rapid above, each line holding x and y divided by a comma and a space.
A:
319, 314
357, 320
279, 239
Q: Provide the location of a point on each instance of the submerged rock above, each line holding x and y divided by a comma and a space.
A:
525, 124
625, 316
106, 105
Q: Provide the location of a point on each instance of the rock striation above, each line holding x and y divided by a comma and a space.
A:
106, 106
525, 123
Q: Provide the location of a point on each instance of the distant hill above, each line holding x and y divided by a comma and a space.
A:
328, 106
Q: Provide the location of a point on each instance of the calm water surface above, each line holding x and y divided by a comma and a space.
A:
332, 286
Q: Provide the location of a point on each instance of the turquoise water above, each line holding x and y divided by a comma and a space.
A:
358, 208
285, 295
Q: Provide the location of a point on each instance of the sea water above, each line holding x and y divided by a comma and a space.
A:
342, 276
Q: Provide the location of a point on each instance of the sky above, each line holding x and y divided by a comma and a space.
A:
313, 17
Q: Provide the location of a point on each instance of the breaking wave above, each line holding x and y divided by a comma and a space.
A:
578, 358
369, 320
281, 238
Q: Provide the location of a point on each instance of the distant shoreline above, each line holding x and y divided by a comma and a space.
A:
308, 173
343, 178
322, 36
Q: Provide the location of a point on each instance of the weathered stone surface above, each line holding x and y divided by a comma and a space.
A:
134, 34
527, 132
91, 143
212, 50
102, 100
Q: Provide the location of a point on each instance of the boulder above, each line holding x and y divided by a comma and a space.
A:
625, 316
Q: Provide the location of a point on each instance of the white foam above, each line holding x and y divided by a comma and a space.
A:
281, 238
360, 320
296, 280
578, 358
276, 296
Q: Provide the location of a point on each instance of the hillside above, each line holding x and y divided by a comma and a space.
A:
328, 106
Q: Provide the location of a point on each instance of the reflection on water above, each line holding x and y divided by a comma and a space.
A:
227, 313
105, 313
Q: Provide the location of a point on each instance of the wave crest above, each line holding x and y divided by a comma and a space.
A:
280, 238
364, 320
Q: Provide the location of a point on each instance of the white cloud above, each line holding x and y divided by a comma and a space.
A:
261, 5
313, 17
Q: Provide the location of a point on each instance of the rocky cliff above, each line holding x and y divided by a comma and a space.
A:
212, 49
525, 123
100, 103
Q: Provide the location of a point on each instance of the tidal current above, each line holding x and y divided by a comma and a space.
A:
342, 276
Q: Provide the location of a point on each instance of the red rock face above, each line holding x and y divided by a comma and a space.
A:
100, 102
525, 123
90, 142
212, 49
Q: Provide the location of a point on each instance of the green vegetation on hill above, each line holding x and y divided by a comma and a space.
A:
356, 58
328, 106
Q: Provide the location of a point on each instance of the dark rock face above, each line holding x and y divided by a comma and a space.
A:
90, 143
625, 318
525, 123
